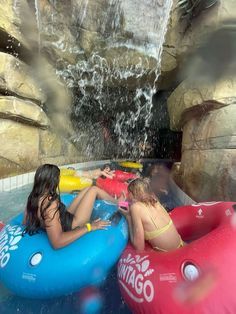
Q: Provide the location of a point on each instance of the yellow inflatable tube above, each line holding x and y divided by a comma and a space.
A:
67, 172
69, 183
131, 164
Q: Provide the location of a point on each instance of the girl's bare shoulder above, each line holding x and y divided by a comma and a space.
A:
50, 207
137, 206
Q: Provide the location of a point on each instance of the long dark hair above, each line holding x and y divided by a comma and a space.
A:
46, 181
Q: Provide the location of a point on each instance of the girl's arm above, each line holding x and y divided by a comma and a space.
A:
136, 228
95, 173
57, 236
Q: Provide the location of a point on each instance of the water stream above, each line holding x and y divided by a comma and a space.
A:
114, 81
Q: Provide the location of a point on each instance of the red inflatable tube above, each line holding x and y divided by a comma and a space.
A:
195, 279
112, 187
1, 225
123, 175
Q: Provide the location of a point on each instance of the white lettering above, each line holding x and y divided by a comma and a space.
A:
130, 268
5, 260
135, 279
3, 251
139, 284
122, 271
9, 237
149, 297
2, 245
132, 279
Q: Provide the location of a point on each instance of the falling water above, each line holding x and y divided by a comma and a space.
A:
38, 19
118, 90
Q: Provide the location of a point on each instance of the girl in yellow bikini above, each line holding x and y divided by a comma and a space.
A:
148, 220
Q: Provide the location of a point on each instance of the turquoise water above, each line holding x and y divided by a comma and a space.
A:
13, 202
107, 298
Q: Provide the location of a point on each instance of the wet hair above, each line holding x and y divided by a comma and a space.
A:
46, 181
142, 191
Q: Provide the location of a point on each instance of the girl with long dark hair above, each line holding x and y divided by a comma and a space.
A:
45, 210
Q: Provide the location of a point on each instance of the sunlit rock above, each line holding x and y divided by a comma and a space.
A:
209, 157
170, 53
209, 140
57, 150
211, 130
19, 144
209, 175
206, 22
126, 34
194, 97
24, 147
23, 111
17, 78
51, 26
185, 37
10, 21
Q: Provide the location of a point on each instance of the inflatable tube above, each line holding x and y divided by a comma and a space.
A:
150, 280
123, 175
67, 172
112, 187
131, 164
1, 225
69, 183
30, 267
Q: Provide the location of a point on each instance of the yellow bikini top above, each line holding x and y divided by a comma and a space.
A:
149, 235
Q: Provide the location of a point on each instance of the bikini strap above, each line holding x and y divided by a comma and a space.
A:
150, 215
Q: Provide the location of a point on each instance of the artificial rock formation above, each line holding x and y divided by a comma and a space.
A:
203, 106
35, 104
46, 49
49, 50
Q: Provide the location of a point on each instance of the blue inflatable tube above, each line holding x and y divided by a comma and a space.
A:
30, 267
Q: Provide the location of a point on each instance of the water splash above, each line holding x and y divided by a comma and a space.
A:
118, 50
119, 89
115, 77
38, 22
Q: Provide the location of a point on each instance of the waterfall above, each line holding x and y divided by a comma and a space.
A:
38, 19
114, 88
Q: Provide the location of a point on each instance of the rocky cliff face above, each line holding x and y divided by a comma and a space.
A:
35, 104
55, 56
203, 105
78, 56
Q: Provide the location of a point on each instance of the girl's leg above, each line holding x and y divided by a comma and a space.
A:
73, 206
84, 208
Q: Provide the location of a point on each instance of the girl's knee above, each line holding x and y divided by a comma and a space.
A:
93, 188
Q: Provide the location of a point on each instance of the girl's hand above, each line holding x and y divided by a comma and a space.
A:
99, 224
107, 173
124, 210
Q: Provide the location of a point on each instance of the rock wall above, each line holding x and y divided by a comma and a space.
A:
48, 49
35, 104
203, 105
42, 46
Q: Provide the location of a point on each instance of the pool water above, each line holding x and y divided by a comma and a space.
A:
109, 293
107, 296
11, 203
